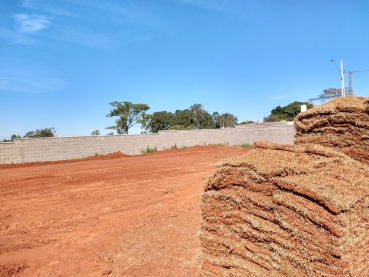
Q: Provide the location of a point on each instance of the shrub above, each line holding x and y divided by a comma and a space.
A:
148, 150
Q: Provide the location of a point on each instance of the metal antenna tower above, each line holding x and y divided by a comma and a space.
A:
351, 92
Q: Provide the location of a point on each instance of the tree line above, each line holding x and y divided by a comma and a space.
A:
195, 117
289, 112
39, 133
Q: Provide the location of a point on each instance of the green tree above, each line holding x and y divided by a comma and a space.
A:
207, 121
182, 118
215, 117
11, 138
227, 120
330, 92
290, 111
47, 132
198, 114
246, 122
129, 115
95, 133
159, 121
271, 118
180, 127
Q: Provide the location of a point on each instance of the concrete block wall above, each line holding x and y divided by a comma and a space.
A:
64, 148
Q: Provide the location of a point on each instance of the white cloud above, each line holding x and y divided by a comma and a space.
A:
277, 97
31, 22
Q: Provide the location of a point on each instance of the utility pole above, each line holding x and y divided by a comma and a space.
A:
342, 78
342, 81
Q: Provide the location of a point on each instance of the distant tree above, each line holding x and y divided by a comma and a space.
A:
129, 115
95, 133
227, 120
207, 122
110, 134
330, 92
279, 112
198, 114
183, 118
47, 132
159, 121
246, 122
271, 118
290, 111
215, 117
11, 138
180, 127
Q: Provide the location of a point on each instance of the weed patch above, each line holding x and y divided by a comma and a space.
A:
245, 145
148, 150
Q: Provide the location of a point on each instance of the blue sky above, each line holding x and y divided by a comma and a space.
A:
63, 61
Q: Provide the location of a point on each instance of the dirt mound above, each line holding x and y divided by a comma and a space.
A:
341, 123
115, 155
286, 211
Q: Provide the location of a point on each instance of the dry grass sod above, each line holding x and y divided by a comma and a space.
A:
341, 123
286, 211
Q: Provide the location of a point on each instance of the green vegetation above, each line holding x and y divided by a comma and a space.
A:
195, 117
47, 132
183, 146
148, 150
331, 92
287, 112
221, 144
39, 133
246, 122
245, 145
174, 146
11, 138
129, 115
95, 133
227, 120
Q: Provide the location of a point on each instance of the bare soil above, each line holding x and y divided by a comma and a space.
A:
114, 215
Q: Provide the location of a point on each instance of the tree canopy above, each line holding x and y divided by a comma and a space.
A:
330, 92
47, 132
95, 133
271, 118
290, 111
195, 117
227, 120
129, 114
246, 122
11, 138
182, 119
198, 115
159, 121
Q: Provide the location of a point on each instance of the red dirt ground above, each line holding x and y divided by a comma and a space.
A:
114, 215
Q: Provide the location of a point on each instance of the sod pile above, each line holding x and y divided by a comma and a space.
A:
285, 210
340, 123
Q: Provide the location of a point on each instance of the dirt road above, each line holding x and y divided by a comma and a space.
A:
106, 216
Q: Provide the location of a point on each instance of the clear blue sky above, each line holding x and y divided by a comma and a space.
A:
63, 61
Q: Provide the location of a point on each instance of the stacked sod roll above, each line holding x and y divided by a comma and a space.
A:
293, 210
